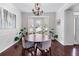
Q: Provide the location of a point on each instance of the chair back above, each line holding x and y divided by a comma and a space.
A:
27, 44
23, 42
46, 44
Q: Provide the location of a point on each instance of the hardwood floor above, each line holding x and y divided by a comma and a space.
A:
15, 50
56, 50
71, 50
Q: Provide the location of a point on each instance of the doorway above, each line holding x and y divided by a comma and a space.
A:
76, 29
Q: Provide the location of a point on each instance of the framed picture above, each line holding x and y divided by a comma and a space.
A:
9, 20
13, 21
5, 19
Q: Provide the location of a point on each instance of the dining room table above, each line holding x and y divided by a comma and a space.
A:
37, 39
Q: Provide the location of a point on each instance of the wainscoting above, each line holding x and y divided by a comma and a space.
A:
56, 50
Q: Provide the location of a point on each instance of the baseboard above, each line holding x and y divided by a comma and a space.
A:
53, 40
76, 44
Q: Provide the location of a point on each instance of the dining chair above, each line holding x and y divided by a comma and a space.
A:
27, 46
45, 47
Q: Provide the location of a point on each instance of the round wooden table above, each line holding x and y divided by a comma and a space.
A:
37, 38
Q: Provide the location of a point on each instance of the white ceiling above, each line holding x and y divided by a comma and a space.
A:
47, 7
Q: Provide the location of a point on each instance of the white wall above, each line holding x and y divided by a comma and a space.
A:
69, 25
61, 28
70, 38
7, 35
69, 28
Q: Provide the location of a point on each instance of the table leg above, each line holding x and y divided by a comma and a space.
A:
36, 51
35, 46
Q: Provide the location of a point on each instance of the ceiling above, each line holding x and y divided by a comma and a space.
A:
47, 7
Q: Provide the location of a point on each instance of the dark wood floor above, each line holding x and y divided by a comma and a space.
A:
56, 50
71, 50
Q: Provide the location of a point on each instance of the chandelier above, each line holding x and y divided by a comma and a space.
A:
37, 9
